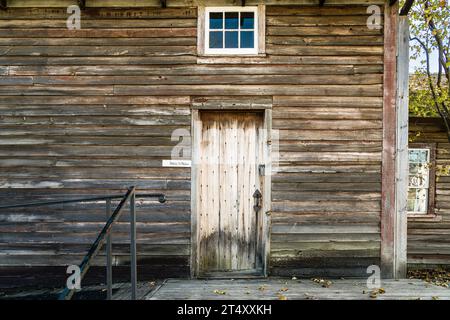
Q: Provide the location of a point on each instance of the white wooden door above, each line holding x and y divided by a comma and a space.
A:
230, 158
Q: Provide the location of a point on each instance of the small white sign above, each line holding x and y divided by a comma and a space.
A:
177, 163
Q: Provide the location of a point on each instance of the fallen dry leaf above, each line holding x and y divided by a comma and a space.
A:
220, 292
324, 283
281, 297
375, 292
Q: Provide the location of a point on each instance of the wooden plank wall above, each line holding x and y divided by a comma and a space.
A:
92, 111
64, 130
326, 196
429, 242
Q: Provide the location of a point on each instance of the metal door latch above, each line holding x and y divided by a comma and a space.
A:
258, 200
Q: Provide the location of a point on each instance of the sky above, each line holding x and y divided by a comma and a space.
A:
414, 64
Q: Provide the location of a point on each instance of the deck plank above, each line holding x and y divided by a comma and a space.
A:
273, 289
143, 289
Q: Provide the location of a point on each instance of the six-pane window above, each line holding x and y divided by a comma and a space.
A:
231, 30
419, 180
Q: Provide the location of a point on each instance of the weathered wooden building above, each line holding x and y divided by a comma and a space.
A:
97, 109
429, 229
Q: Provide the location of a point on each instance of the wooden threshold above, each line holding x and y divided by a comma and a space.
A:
241, 274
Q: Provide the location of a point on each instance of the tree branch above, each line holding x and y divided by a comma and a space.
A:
406, 7
443, 54
441, 109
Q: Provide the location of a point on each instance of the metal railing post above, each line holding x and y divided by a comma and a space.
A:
108, 254
133, 246
66, 293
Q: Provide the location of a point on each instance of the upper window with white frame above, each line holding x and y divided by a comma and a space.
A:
231, 30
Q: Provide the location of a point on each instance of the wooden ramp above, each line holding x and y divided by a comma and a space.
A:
304, 289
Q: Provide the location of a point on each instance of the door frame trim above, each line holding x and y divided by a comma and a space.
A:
267, 190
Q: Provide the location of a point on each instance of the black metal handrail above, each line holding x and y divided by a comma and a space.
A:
105, 234
161, 198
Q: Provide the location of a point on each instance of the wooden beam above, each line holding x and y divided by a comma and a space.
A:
195, 189
82, 4
388, 213
406, 7
321, 3
3, 4
402, 170
269, 149
163, 3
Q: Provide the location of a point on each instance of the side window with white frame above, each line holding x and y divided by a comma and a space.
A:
421, 180
231, 30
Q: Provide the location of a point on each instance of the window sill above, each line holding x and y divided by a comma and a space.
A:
231, 58
424, 218
222, 55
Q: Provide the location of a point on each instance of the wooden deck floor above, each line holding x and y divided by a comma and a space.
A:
252, 289
143, 289
276, 289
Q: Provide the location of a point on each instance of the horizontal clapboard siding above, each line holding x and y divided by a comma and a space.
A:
92, 111
63, 128
326, 193
429, 242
